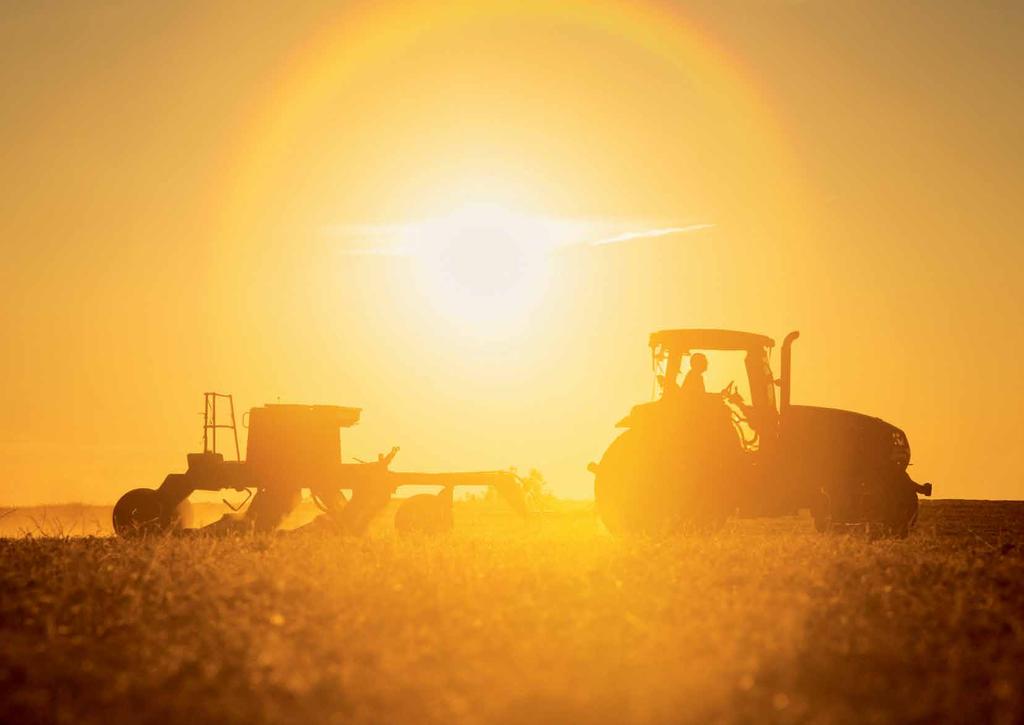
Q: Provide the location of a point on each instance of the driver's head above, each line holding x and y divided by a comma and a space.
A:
698, 362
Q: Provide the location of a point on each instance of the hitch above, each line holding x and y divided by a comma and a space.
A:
236, 508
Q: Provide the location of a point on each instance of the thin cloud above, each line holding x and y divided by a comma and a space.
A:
650, 233
375, 252
411, 239
363, 231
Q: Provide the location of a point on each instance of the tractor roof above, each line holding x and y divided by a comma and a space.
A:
686, 340
336, 414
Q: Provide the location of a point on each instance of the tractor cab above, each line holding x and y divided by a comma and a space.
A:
738, 375
671, 351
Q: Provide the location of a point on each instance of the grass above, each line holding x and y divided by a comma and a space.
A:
510, 622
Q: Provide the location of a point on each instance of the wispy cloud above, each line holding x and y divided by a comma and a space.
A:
363, 231
650, 233
376, 252
552, 235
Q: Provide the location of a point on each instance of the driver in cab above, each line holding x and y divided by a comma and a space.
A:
693, 384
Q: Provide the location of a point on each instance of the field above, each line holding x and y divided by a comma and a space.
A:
547, 621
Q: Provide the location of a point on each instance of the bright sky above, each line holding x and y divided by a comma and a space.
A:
398, 207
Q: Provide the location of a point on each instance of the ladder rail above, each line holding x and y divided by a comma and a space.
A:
211, 426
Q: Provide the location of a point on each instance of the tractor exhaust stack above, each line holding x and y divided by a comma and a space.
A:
785, 381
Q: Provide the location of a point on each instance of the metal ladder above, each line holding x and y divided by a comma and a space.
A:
210, 424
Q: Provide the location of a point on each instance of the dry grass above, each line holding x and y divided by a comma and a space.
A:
505, 622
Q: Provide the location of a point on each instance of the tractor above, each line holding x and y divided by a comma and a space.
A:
291, 448
691, 458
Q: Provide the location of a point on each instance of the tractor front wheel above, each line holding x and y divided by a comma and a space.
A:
886, 501
821, 512
899, 507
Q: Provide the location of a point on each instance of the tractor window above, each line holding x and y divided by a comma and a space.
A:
724, 366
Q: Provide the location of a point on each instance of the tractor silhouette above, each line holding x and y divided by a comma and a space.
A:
692, 458
291, 448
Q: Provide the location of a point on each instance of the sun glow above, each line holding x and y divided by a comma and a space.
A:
483, 265
488, 267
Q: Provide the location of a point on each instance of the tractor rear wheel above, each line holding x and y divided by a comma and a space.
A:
654, 482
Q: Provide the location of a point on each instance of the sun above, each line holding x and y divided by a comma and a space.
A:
483, 265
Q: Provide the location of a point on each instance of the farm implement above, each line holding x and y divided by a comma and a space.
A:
291, 448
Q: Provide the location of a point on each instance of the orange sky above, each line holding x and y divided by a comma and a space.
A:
175, 178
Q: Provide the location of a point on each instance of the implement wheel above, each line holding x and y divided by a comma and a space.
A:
181, 516
425, 514
144, 512
656, 482
140, 512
